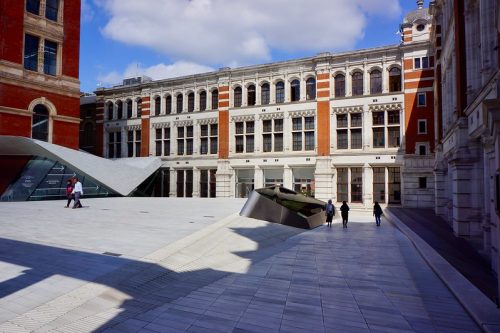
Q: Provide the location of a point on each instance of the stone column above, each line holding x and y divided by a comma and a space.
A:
173, 184
367, 128
224, 184
196, 182
323, 178
258, 177
287, 177
367, 186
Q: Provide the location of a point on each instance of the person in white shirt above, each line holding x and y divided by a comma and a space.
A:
78, 192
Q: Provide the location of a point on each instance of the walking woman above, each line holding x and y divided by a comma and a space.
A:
344, 209
329, 212
377, 212
69, 192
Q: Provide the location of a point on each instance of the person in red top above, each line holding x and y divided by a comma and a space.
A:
69, 192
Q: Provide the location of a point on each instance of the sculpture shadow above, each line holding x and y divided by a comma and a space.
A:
149, 286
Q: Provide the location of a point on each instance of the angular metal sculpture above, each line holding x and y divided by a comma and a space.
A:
281, 205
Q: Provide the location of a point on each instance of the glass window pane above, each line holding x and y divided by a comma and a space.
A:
33, 6
51, 9
265, 93
356, 139
215, 99
356, 120
356, 184
378, 138
280, 92
339, 85
341, 120
31, 52
310, 88
341, 139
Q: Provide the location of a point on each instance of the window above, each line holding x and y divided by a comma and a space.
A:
157, 106
251, 95
339, 85
237, 97
40, 123
422, 126
179, 104
162, 141
265, 94
110, 110
51, 9
185, 140
357, 84
139, 108
422, 182
129, 109
341, 120
168, 104
114, 145
342, 139
356, 184
191, 102
342, 184
356, 131
394, 186
303, 181
378, 137
379, 184
280, 92
134, 141
295, 91
421, 63
31, 52
379, 129
303, 133
273, 177
208, 139
272, 135
422, 149
394, 136
33, 6
207, 183
344, 127
119, 110
375, 82
215, 99
244, 182
420, 27
50, 58
394, 79
203, 100
244, 136
421, 100
311, 88
393, 117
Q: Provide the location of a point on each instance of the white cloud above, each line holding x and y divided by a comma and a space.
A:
239, 31
156, 72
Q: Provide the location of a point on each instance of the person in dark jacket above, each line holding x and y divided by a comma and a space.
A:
344, 210
329, 212
377, 212
69, 192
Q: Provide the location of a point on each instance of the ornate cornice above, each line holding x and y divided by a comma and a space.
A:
273, 115
348, 109
243, 118
385, 107
207, 121
180, 123
302, 113
133, 127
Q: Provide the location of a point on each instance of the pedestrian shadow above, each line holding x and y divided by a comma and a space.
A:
149, 287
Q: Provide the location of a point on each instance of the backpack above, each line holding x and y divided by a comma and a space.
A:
329, 209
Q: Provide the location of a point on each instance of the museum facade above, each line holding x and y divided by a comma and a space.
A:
355, 126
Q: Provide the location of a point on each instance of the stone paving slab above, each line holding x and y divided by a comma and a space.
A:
233, 275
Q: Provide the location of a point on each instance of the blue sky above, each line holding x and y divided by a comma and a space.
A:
168, 38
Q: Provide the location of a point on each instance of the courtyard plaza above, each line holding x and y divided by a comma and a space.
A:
194, 265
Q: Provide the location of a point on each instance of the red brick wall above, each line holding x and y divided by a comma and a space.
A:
11, 124
71, 44
11, 30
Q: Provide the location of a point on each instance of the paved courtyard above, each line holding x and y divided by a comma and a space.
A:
193, 265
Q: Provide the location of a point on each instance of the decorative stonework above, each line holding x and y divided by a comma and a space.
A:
180, 123
385, 107
348, 109
274, 115
242, 118
161, 125
133, 127
207, 121
302, 113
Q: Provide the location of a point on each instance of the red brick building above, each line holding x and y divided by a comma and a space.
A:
39, 64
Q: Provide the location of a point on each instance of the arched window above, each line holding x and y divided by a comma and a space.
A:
394, 79
215, 99
157, 105
168, 104
40, 123
295, 91
179, 103
251, 95
311, 88
357, 84
110, 110
339, 85
280, 92
264, 94
375, 82
237, 97
119, 110
191, 102
203, 100
139, 108
129, 109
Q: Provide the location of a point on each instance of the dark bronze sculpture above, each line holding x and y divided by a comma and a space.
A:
281, 205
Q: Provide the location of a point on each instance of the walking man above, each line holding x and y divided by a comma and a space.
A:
78, 192
377, 212
344, 210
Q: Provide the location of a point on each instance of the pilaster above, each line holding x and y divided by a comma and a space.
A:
323, 176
